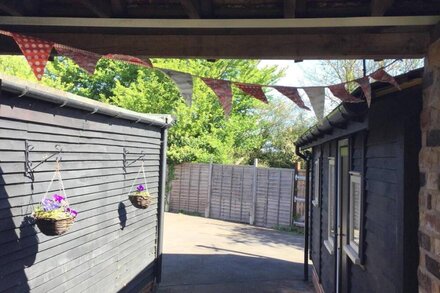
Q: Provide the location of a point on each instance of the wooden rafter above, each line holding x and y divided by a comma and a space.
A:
289, 8
98, 7
190, 8
380, 7
10, 8
119, 7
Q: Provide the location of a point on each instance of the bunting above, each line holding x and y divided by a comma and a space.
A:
84, 59
36, 52
339, 91
253, 90
382, 75
364, 83
184, 82
317, 99
292, 94
130, 59
222, 89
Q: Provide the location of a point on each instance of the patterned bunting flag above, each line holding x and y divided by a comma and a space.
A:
252, 90
339, 91
130, 59
36, 52
317, 99
222, 89
85, 59
292, 94
184, 82
364, 83
382, 75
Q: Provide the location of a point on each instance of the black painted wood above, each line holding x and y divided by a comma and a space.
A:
112, 245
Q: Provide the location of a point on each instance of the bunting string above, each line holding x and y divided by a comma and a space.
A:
38, 51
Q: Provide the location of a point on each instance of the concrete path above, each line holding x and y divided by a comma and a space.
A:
210, 256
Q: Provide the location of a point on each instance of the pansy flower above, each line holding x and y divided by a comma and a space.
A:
72, 212
140, 188
58, 198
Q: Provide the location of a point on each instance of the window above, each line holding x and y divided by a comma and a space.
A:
330, 242
352, 248
316, 183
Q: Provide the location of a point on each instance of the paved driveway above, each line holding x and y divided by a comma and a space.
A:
206, 255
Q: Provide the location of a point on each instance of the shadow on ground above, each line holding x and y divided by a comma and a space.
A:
230, 273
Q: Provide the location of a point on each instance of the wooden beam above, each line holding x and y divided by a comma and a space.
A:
98, 7
289, 8
119, 7
10, 7
296, 23
338, 45
380, 7
190, 8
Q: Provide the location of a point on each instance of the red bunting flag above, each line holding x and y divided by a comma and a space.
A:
292, 94
130, 59
364, 83
36, 52
252, 90
85, 59
382, 75
222, 89
339, 91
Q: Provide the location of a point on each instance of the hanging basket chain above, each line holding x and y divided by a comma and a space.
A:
137, 176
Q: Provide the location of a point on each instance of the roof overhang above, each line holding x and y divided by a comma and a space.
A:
296, 38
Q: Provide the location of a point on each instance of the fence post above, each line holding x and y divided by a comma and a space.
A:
254, 194
208, 205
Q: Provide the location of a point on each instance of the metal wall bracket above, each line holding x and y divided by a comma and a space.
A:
125, 160
29, 168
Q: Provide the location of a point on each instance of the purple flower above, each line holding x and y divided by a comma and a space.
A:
49, 205
58, 198
72, 212
140, 188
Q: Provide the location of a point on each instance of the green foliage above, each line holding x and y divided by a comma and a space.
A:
201, 132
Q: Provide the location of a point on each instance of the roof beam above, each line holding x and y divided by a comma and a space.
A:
10, 8
289, 8
98, 7
190, 8
296, 23
380, 7
119, 7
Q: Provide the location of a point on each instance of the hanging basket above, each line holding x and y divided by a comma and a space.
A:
141, 198
140, 201
53, 227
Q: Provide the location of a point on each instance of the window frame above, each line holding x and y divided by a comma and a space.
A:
331, 199
316, 181
353, 249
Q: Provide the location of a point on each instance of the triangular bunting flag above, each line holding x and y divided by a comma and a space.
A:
85, 59
130, 59
364, 83
382, 75
36, 52
339, 91
317, 99
222, 89
292, 94
184, 82
252, 90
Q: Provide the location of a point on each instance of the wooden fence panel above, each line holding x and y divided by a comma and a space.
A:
227, 193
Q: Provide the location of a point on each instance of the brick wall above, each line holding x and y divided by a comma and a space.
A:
429, 161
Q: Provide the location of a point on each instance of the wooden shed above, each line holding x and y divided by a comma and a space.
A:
112, 246
364, 184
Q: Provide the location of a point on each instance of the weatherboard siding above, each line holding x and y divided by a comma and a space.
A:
96, 253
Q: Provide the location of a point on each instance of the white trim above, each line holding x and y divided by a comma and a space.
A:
370, 21
316, 182
355, 177
329, 244
352, 254
331, 202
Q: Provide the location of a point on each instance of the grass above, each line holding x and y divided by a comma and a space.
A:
290, 229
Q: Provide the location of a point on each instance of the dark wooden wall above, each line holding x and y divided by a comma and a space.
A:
391, 177
112, 245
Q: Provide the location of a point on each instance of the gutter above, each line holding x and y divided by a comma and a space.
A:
64, 99
306, 156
